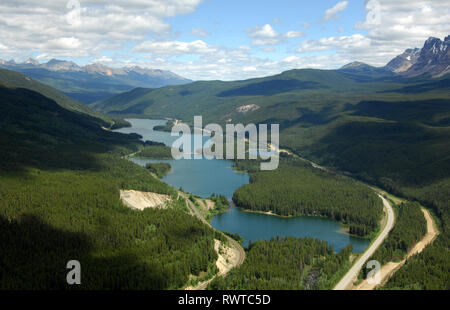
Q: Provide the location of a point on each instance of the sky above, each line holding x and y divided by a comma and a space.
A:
219, 39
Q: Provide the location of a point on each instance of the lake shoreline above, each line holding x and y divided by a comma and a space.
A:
343, 230
205, 177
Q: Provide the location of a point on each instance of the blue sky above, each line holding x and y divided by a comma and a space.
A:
219, 39
228, 20
227, 24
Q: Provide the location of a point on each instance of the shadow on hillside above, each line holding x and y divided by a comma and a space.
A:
442, 85
308, 118
34, 256
387, 153
36, 132
17, 158
433, 112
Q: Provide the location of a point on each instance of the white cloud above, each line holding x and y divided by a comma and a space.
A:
171, 48
265, 31
402, 23
332, 12
43, 57
244, 48
63, 44
103, 59
249, 69
40, 28
401, 26
267, 35
43, 26
346, 43
264, 35
232, 64
199, 32
294, 34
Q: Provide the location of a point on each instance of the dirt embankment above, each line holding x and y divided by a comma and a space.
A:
228, 258
235, 254
390, 268
143, 200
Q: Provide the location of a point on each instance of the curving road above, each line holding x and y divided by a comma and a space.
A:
347, 281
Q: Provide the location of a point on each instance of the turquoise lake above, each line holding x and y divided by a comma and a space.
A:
206, 177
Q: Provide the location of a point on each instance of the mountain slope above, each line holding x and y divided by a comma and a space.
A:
293, 96
433, 59
224, 100
404, 61
327, 116
388, 129
16, 80
93, 82
60, 179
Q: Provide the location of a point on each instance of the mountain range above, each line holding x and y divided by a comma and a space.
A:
322, 113
222, 101
96, 82
433, 59
92, 82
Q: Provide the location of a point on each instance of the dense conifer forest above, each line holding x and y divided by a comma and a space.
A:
160, 169
68, 171
155, 150
60, 176
431, 269
287, 264
296, 189
410, 227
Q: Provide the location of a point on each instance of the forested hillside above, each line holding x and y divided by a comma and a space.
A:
287, 264
60, 176
387, 130
431, 269
410, 227
16, 80
296, 189
155, 150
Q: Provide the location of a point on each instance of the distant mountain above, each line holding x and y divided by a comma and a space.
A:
57, 65
275, 96
364, 70
214, 99
357, 65
92, 82
432, 59
404, 61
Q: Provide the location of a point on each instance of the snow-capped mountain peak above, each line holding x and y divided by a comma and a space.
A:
432, 59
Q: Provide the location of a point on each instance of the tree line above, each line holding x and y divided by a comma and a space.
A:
60, 177
287, 264
295, 189
410, 227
